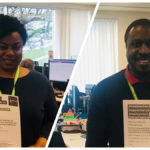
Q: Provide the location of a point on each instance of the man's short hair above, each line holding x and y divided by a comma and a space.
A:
27, 63
143, 22
9, 24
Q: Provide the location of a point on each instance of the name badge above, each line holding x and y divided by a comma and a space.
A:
10, 129
136, 116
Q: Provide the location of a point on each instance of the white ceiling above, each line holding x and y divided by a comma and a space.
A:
142, 7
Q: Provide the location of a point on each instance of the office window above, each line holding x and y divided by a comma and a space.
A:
55, 29
99, 58
70, 29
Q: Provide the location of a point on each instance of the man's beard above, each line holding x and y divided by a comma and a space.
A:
143, 74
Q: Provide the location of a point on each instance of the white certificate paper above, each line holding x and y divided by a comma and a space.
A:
10, 130
136, 114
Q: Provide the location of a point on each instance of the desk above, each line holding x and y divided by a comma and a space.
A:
57, 98
73, 139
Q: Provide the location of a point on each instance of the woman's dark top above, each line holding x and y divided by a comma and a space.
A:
37, 105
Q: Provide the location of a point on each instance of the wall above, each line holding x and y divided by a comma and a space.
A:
124, 19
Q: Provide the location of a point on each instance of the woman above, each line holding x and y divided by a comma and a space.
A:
36, 96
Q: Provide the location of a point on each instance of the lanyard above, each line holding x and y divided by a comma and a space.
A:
132, 90
15, 80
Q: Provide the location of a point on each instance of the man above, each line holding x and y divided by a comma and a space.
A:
105, 121
28, 63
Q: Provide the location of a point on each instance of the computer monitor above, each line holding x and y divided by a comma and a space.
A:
36, 63
46, 70
60, 70
39, 69
89, 88
77, 100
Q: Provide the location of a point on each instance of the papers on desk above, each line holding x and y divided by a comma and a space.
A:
70, 123
71, 128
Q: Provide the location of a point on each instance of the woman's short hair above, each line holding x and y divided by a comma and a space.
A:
9, 24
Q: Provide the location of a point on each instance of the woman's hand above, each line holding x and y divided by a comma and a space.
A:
41, 142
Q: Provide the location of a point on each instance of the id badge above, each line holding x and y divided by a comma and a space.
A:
10, 128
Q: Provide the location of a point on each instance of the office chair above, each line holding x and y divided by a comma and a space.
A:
57, 140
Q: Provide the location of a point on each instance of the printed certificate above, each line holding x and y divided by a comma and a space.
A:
136, 114
10, 130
